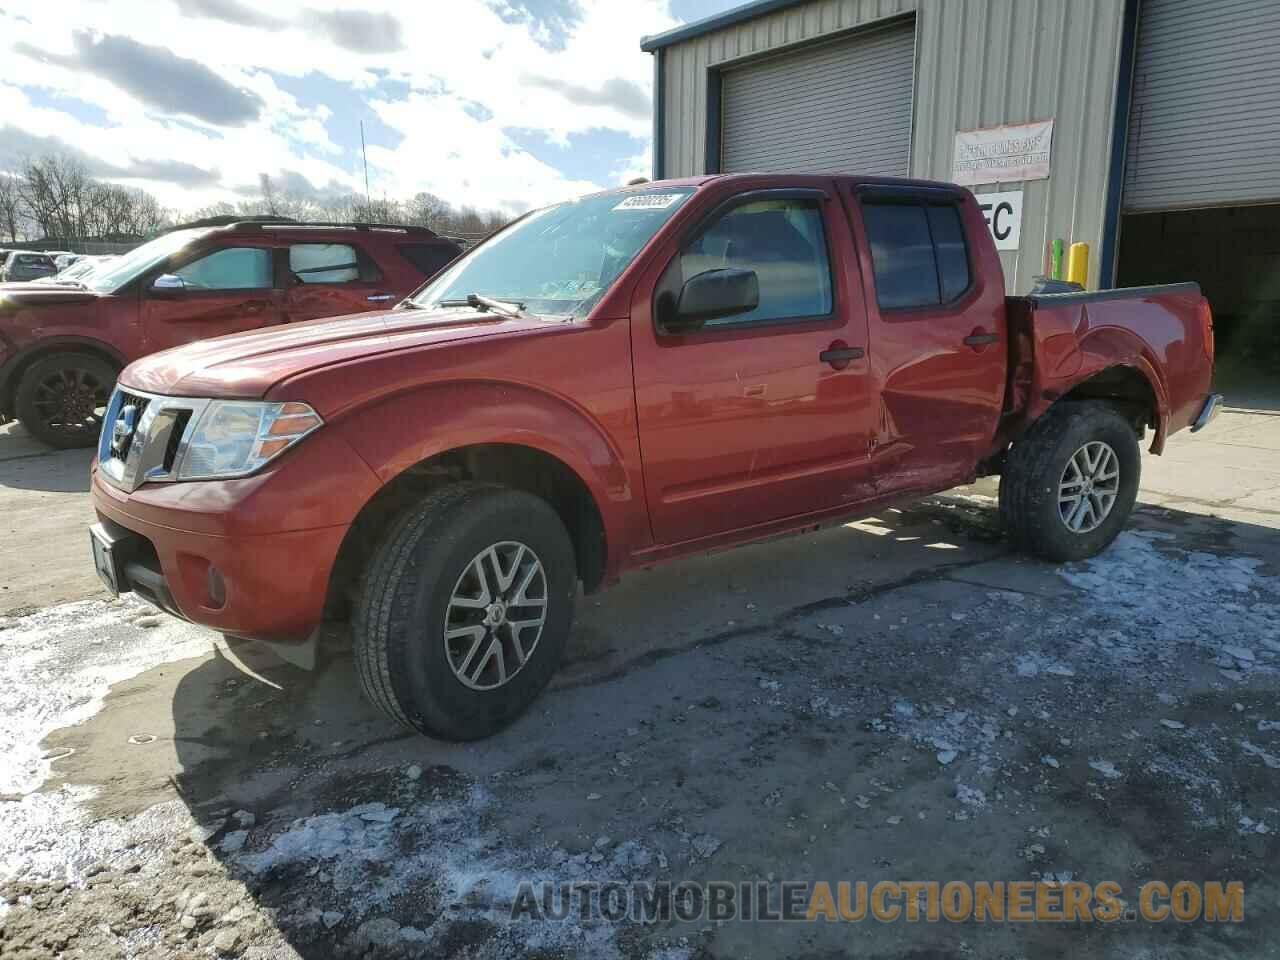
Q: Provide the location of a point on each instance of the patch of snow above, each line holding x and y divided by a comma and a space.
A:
970, 796
1106, 768
374, 854
1252, 749
59, 664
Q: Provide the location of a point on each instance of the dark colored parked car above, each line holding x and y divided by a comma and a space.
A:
613, 382
20, 266
61, 346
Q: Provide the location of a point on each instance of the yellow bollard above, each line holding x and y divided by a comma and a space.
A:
1078, 264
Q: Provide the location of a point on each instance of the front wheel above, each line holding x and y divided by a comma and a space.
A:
1070, 483
465, 610
62, 398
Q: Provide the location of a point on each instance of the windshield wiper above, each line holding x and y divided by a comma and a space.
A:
512, 308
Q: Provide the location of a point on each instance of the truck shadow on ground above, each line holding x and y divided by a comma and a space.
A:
365, 840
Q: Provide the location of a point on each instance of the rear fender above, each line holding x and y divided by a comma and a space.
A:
1065, 359
400, 432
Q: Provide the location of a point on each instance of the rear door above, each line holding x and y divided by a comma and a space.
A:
222, 291
936, 310
332, 279
743, 421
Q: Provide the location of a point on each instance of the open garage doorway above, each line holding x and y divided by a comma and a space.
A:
1234, 254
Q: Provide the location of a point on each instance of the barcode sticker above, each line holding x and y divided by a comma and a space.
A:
649, 201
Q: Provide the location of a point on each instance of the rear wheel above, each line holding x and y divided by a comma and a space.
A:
1070, 483
464, 610
62, 398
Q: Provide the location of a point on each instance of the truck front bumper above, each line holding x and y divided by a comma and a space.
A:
268, 587
1212, 404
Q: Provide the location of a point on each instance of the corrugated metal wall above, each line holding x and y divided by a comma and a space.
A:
979, 63
1203, 128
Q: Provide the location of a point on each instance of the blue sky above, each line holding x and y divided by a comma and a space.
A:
498, 103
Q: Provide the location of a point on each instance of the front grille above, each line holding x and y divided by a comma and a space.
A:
120, 448
143, 435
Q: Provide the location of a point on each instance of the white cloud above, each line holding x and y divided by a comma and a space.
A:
472, 72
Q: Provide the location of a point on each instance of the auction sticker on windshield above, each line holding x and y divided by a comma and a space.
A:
650, 201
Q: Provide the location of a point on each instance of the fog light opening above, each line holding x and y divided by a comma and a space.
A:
217, 588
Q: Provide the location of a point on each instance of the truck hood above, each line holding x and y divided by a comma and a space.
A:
247, 365
13, 295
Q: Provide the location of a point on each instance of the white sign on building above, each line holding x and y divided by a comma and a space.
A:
1003, 154
1003, 213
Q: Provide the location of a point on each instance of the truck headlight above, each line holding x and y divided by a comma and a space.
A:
233, 438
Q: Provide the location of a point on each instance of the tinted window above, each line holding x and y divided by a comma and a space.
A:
784, 243
950, 250
324, 263
902, 253
235, 268
427, 258
918, 252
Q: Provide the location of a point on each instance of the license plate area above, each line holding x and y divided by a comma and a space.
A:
109, 555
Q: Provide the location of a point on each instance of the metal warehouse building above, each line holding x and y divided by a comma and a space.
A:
1149, 129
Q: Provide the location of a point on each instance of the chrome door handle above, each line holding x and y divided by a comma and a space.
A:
379, 297
980, 339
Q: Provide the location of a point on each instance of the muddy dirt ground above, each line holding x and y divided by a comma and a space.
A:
902, 698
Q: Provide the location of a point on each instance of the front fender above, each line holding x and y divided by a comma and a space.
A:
403, 430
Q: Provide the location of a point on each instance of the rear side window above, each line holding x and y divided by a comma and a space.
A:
918, 251
324, 263
427, 258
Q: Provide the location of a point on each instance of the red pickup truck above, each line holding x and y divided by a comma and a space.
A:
62, 345
612, 382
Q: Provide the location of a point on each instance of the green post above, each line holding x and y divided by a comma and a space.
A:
1057, 258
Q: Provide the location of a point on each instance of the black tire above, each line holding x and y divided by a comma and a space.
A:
399, 621
1029, 488
60, 398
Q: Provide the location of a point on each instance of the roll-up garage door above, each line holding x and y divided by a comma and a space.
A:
1204, 124
842, 106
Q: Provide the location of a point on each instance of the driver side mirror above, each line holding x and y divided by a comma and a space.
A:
714, 294
168, 284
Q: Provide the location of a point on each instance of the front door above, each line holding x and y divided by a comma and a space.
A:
226, 291
764, 415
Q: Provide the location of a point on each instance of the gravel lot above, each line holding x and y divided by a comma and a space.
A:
901, 698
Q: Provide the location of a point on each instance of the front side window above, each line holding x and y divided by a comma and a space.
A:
560, 260
918, 252
783, 241
234, 268
128, 267
324, 263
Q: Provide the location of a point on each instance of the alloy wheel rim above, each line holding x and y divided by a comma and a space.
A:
1089, 486
71, 401
496, 615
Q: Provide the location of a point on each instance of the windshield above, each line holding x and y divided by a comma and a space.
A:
114, 275
562, 259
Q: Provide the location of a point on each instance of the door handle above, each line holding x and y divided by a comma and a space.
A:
980, 339
379, 297
841, 355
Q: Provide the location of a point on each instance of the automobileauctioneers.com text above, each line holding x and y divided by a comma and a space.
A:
886, 901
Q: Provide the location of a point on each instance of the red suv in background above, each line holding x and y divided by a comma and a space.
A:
61, 347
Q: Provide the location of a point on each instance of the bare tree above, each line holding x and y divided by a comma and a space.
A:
11, 217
